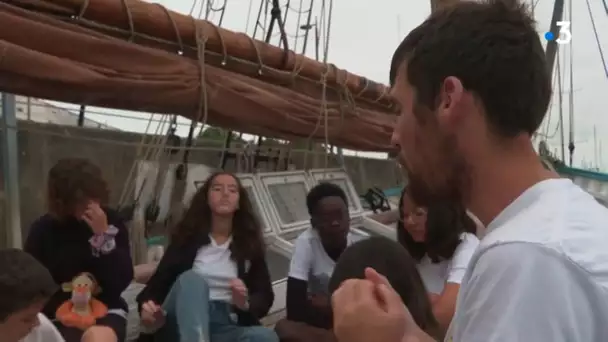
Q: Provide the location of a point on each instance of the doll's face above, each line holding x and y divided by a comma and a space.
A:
82, 289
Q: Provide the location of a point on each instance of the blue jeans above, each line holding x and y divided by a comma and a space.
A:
193, 317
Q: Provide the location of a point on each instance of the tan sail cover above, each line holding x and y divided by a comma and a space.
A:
124, 54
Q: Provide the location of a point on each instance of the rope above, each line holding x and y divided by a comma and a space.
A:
223, 45
258, 54
131, 24
83, 8
125, 4
547, 124
327, 34
95, 25
194, 2
597, 39
178, 36
323, 112
318, 124
138, 153
130, 182
201, 42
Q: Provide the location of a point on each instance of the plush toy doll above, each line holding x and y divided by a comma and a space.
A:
82, 310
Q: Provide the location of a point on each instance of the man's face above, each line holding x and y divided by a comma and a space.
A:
427, 142
332, 221
21, 323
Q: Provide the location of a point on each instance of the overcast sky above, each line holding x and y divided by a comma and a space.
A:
365, 33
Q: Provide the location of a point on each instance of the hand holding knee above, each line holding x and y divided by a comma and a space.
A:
152, 315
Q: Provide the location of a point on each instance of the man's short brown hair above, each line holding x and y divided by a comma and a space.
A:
493, 48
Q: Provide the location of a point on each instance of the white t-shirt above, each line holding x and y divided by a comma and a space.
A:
540, 273
434, 276
44, 332
311, 263
213, 262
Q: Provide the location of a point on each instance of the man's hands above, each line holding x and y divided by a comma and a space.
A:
369, 309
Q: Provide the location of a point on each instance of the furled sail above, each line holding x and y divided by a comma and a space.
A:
134, 55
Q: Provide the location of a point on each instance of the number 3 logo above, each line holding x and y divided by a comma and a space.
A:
565, 36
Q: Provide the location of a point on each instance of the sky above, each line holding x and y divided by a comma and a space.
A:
364, 34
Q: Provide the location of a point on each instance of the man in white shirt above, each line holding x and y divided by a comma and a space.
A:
25, 286
315, 253
473, 86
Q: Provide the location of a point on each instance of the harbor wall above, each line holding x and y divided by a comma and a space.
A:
41, 145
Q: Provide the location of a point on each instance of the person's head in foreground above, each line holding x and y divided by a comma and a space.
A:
435, 230
74, 184
328, 208
222, 206
473, 86
25, 286
391, 260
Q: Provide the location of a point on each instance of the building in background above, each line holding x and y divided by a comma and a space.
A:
40, 111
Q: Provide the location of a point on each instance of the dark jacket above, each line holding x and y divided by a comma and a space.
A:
63, 248
180, 258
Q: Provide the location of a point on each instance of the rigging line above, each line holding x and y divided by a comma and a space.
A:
301, 11
285, 14
194, 2
298, 23
159, 140
328, 31
597, 39
571, 93
545, 135
561, 112
222, 13
257, 21
266, 10
138, 152
248, 16
200, 10
261, 24
605, 6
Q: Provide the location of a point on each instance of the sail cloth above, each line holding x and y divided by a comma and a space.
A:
51, 52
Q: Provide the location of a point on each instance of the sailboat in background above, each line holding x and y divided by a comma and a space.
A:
593, 181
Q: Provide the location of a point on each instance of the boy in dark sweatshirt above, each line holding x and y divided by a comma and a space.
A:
78, 236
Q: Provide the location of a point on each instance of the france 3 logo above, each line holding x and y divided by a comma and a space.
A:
564, 35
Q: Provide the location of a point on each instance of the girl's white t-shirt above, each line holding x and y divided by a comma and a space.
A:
434, 276
44, 332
